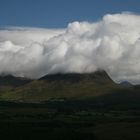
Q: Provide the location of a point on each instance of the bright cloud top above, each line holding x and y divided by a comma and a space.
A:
112, 44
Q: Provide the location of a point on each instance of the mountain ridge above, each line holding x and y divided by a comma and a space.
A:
77, 77
9, 80
58, 86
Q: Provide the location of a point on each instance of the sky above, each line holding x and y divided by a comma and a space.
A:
39, 37
58, 13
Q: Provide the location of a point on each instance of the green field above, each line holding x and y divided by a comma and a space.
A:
74, 121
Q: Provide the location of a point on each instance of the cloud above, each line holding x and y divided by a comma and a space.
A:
112, 44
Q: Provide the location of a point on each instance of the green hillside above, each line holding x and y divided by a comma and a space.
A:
60, 87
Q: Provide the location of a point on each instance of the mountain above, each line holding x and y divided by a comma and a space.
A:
97, 77
10, 80
61, 86
126, 84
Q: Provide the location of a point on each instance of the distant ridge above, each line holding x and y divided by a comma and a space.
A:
9, 80
126, 84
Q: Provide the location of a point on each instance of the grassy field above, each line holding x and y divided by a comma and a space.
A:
74, 120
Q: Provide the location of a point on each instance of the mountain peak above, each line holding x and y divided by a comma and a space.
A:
126, 84
98, 77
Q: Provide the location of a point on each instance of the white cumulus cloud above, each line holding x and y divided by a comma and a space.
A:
111, 44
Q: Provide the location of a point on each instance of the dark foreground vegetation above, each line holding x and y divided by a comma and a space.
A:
69, 120
69, 107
